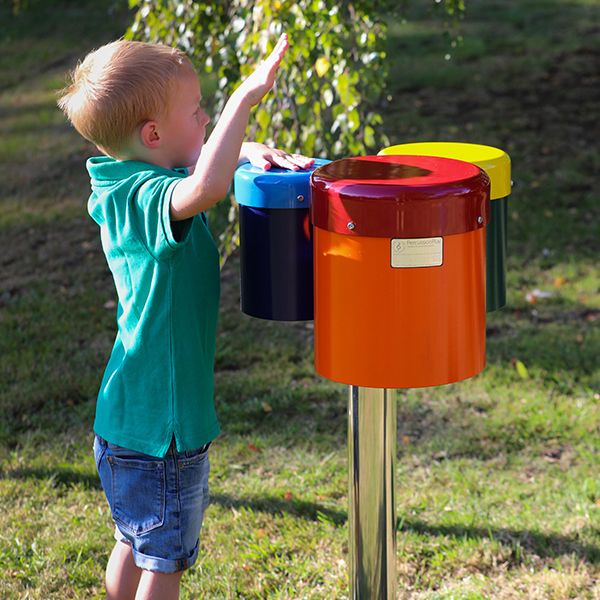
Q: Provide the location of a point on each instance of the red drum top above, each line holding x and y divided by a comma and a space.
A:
400, 196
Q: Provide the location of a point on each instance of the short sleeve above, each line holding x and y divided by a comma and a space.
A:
150, 213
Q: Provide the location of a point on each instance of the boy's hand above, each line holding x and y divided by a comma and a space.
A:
263, 157
216, 165
256, 85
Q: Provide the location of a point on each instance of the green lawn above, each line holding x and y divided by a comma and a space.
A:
498, 485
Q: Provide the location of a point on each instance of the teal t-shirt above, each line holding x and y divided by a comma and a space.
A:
159, 379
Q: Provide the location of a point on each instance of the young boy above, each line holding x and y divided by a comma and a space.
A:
155, 418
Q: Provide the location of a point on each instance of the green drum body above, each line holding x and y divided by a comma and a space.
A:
495, 238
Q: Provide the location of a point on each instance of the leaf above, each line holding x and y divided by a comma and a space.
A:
322, 66
266, 407
369, 137
353, 120
343, 89
521, 369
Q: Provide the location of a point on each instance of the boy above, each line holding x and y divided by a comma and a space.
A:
155, 417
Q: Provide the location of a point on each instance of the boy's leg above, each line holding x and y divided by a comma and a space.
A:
122, 574
159, 586
180, 482
126, 581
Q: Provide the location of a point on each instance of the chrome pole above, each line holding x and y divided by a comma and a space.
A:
372, 509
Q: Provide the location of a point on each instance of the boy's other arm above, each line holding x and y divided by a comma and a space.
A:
218, 160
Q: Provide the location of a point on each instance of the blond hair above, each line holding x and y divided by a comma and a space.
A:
118, 87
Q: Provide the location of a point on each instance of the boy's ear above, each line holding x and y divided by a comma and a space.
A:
149, 135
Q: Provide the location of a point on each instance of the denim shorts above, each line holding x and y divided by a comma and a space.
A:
157, 504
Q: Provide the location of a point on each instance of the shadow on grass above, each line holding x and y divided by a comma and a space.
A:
57, 477
309, 511
543, 545
521, 540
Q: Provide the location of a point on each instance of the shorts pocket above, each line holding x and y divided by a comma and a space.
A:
138, 493
190, 458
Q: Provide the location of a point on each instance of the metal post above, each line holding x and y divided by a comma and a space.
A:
372, 508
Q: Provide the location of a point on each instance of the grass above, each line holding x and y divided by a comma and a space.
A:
498, 493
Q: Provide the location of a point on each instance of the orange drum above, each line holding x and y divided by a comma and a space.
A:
399, 265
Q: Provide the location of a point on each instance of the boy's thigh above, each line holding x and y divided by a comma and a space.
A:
157, 504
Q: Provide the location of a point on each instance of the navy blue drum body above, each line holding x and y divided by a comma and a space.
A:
276, 252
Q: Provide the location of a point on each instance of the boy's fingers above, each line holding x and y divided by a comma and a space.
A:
261, 163
282, 43
302, 161
280, 47
280, 161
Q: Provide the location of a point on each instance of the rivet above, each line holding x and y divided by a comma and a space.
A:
351, 225
300, 198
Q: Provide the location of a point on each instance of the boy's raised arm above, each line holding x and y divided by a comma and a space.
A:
215, 168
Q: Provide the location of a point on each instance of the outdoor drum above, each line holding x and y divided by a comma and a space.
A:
276, 251
399, 245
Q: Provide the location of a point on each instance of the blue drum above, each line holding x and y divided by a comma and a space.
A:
276, 253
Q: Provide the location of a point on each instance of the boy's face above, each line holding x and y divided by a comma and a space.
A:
184, 126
